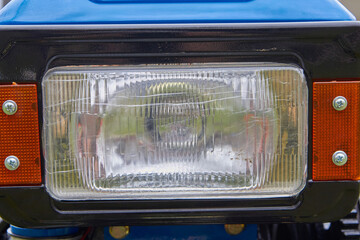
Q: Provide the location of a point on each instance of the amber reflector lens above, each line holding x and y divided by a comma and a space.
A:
19, 136
336, 130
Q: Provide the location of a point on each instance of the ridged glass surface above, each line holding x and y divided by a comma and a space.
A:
197, 131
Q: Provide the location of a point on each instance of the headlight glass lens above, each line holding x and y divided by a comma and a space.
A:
184, 131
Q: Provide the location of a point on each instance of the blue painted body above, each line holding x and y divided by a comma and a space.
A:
44, 233
198, 232
170, 11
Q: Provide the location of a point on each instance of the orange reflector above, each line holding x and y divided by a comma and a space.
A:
336, 130
19, 136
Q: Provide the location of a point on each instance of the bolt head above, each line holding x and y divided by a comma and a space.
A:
339, 103
339, 158
9, 107
119, 232
234, 229
12, 163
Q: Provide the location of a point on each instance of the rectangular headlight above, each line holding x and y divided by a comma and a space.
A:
175, 131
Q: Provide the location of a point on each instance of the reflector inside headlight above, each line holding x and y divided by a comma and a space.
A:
199, 131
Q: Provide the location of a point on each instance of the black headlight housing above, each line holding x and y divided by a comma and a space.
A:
327, 50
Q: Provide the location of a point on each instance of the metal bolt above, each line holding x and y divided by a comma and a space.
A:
9, 107
339, 103
12, 163
234, 229
339, 158
119, 232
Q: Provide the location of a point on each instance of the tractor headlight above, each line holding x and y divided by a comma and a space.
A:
176, 131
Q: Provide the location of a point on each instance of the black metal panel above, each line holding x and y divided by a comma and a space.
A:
323, 50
